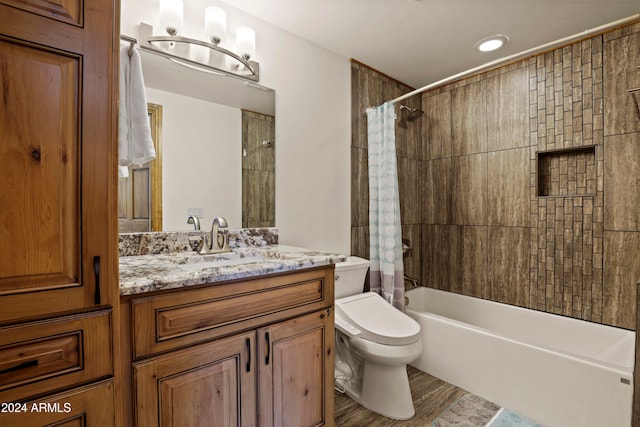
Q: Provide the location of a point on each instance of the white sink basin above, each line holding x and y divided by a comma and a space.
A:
218, 260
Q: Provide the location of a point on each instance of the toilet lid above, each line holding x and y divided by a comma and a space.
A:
378, 320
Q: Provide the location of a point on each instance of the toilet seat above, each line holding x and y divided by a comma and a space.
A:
377, 320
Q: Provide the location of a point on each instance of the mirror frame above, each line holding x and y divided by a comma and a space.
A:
155, 120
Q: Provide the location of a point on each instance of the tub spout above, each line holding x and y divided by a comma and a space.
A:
412, 281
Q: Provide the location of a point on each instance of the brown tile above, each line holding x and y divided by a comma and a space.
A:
409, 189
621, 274
411, 235
436, 191
436, 127
409, 133
508, 110
621, 57
258, 194
469, 195
366, 91
360, 242
509, 189
256, 128
359, 187
436, 261
621, 179
508, 265
469, 119
468, 258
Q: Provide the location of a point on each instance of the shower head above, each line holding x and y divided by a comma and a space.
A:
413, 113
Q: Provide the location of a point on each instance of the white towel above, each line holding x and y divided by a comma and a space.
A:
135, 145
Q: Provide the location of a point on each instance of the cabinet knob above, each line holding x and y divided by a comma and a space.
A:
268, 348
248, 344
96, 270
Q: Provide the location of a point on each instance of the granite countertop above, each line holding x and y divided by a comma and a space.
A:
146, 273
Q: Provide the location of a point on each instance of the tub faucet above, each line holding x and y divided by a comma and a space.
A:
412, 281
215, 242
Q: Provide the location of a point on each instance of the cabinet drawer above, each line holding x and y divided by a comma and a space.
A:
39, 357
174, 320
92, 405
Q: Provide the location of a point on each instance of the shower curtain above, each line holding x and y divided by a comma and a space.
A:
385, 232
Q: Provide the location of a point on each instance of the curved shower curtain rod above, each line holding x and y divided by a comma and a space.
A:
522, 54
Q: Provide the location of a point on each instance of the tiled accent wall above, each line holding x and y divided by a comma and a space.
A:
485, 231
566, 110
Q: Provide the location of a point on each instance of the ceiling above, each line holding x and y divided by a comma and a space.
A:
423, 41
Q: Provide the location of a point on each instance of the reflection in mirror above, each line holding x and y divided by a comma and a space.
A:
258, 170
217, 139
140, 194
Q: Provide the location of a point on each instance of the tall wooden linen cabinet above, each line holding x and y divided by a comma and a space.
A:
58, 225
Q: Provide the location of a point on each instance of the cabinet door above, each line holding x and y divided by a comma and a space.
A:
211, 385
86, 406
295, 371
57, 153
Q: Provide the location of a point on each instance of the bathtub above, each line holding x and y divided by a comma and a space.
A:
558, 371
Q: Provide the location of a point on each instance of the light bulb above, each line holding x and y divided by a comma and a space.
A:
171, 12
215, 24
489, 44
246, 42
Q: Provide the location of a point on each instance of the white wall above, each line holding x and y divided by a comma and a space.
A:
313, 126
201, 160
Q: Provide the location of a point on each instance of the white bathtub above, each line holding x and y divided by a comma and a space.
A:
558, 371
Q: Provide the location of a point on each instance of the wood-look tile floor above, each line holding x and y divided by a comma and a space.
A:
431, 396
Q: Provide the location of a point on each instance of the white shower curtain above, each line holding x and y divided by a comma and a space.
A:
385, 249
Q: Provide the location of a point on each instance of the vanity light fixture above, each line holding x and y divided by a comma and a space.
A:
208, 56
491, 43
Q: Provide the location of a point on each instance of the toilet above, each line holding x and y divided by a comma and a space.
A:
374, 343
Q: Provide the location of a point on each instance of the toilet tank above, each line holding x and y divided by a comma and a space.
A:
350, 276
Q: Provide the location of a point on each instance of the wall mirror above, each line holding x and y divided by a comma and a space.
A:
216, 152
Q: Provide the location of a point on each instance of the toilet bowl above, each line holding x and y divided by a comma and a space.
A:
374, 343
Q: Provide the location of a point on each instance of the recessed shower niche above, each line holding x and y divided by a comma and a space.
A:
567, 172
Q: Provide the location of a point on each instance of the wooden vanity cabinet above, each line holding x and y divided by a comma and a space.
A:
211, 384
58, 225
295, 371
269, 364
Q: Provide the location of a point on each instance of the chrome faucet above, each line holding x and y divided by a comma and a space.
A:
215, 242
193, 219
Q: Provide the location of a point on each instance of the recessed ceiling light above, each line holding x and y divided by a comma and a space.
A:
491, 43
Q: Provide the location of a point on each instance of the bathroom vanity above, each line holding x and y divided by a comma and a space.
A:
244, 338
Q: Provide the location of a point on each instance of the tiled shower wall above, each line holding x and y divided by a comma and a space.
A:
528, 178
370, 88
